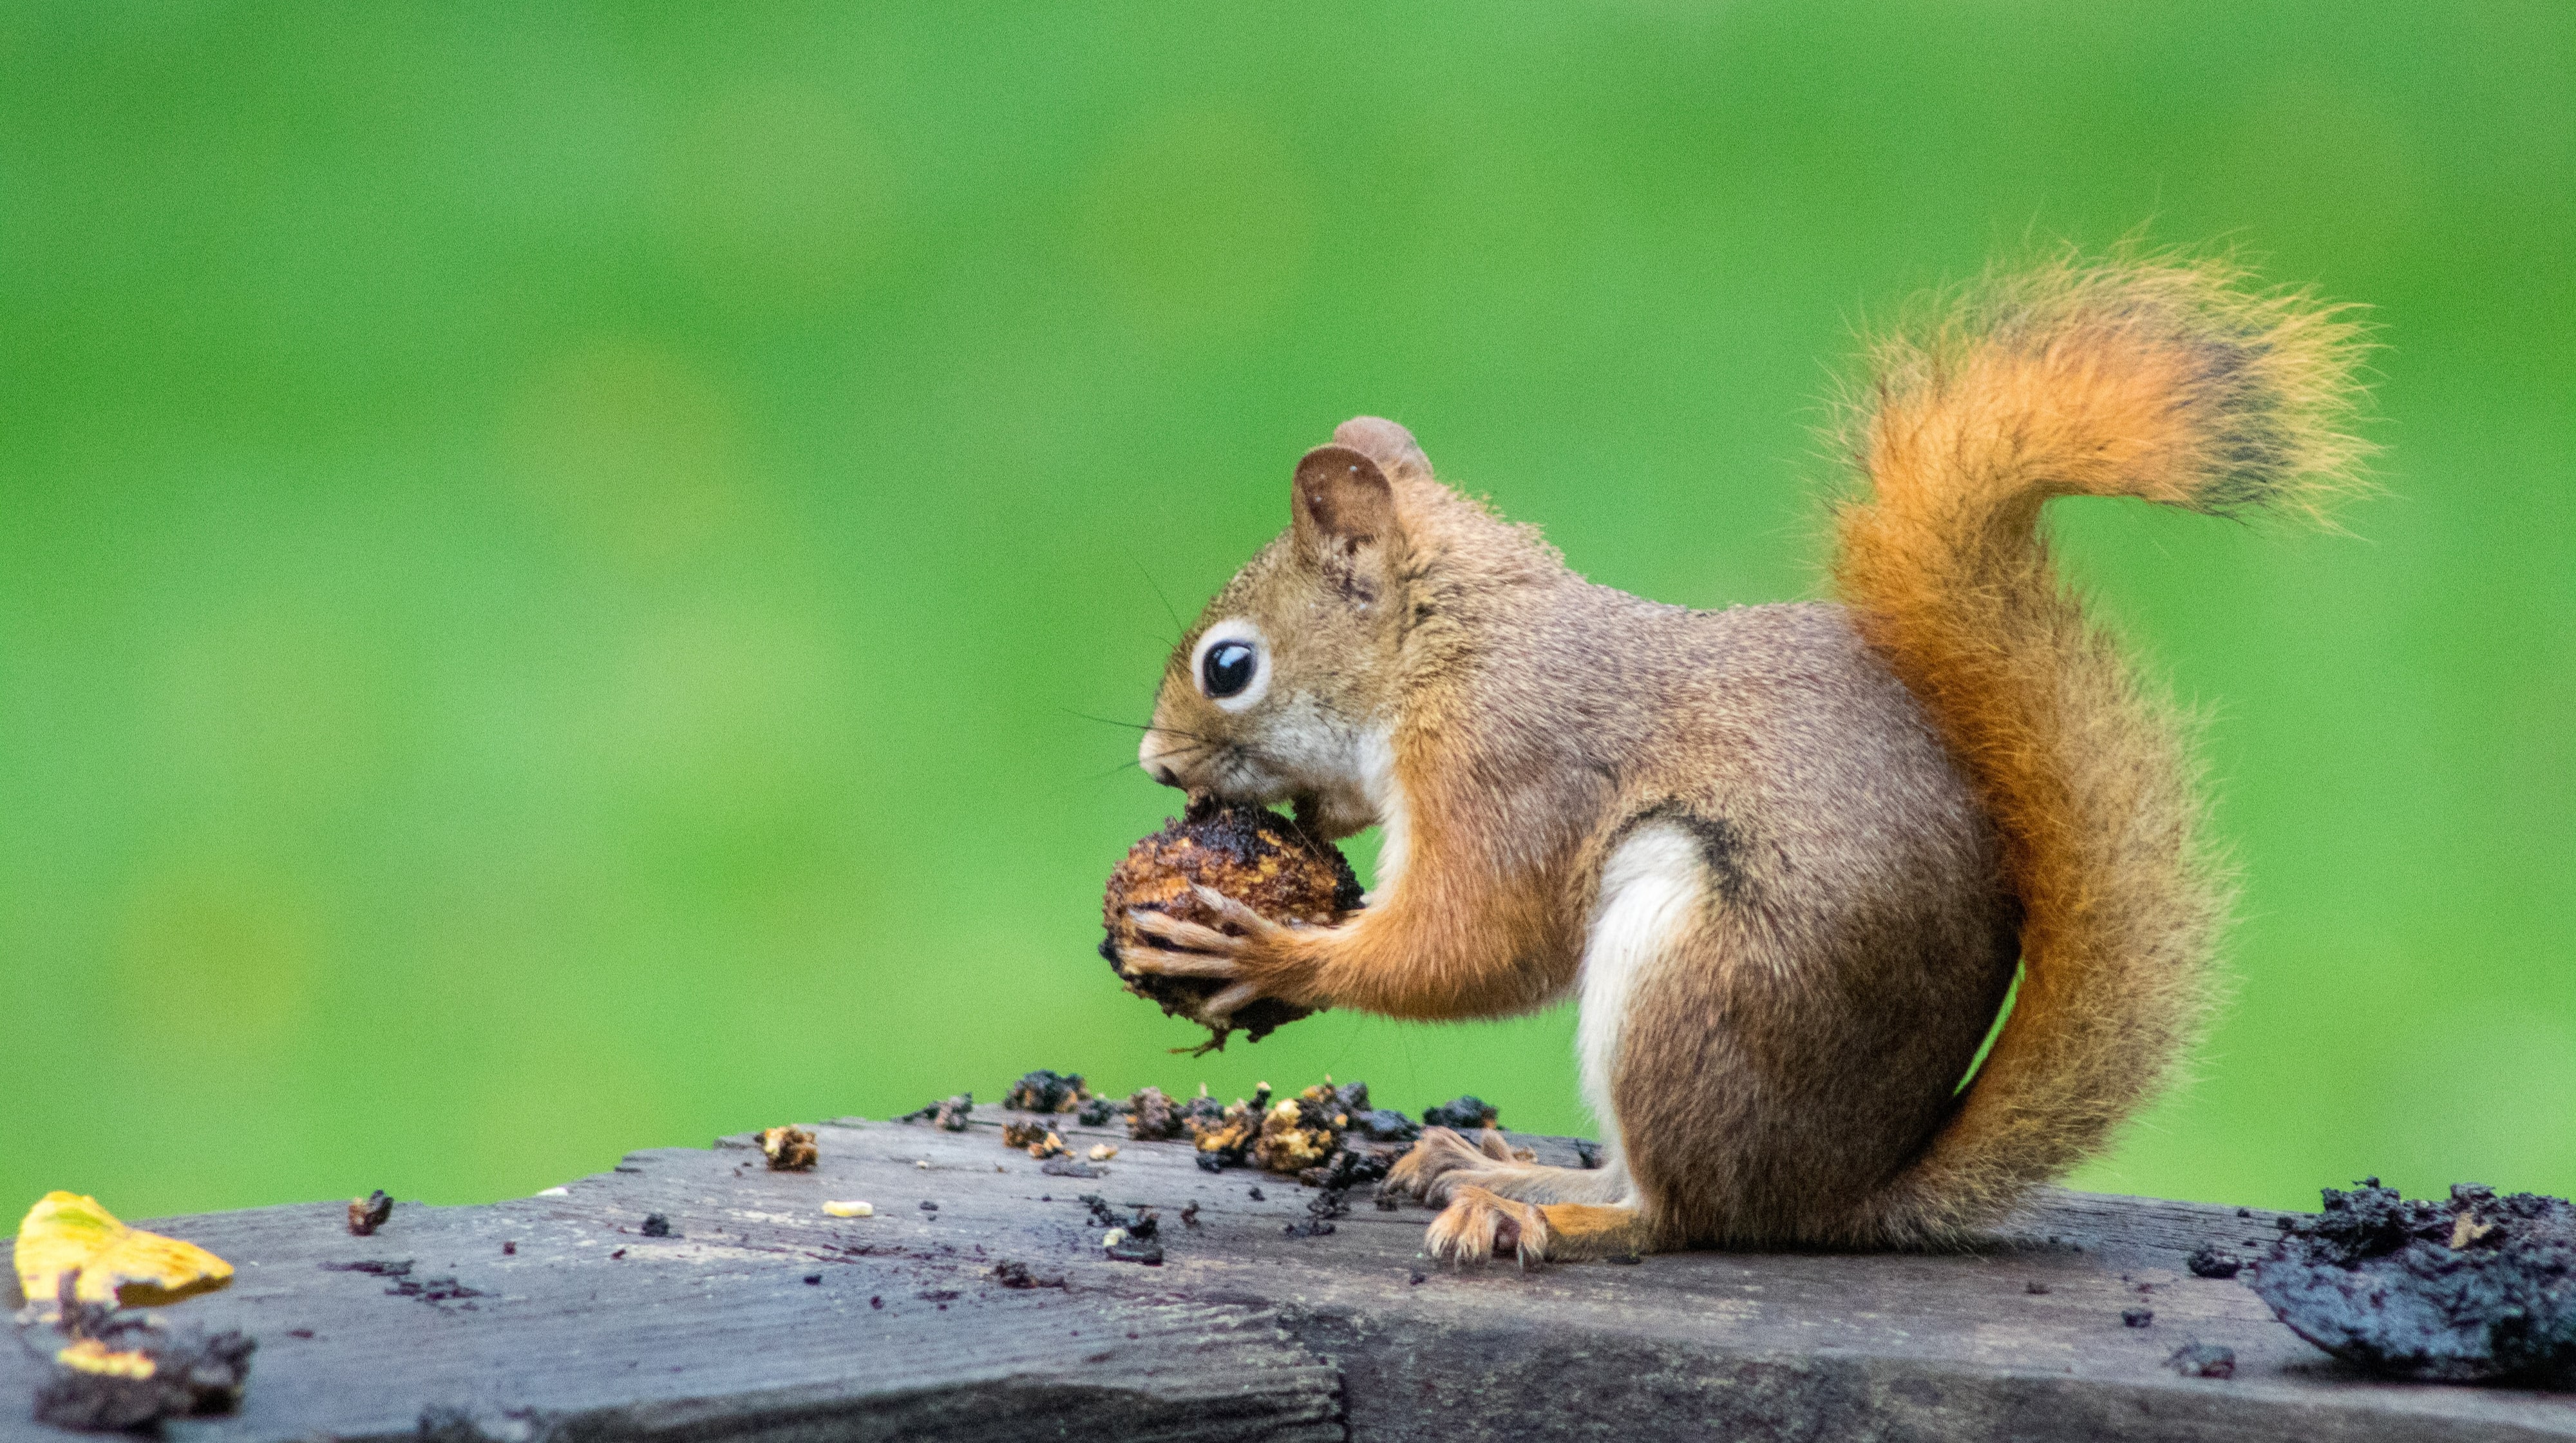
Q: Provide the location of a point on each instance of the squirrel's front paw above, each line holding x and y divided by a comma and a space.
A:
1479, 1225
1248, 957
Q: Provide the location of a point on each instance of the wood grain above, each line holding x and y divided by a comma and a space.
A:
591, 1331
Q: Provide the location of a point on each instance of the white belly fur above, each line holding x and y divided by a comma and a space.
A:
1650, 889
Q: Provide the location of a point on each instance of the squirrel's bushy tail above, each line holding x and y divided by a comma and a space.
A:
2161, 379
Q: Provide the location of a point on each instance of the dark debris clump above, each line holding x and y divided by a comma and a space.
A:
1153, 1117
1467, 1114
1045, 1091
121, 1368
949, 1113
2213, 1261
1018, 1275
1321, 1209
2479, 1288
1131, 1239
1100, 1111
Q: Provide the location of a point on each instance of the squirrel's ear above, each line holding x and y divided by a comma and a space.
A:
1344, 518
1391, 446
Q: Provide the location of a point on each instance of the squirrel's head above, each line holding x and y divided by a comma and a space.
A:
1284, 689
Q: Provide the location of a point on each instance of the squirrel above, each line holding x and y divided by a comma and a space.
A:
1789, 858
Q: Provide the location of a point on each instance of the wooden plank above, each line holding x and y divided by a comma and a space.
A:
1244, 1332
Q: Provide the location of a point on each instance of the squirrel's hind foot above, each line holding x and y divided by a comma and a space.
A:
1478, 1226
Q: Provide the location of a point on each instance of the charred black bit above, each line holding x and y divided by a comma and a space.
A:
949, 1113
1046, 1091
2137, 1317
2035, 1289
1321, 1209
191, 1371
2477, 1288
1100, 1111
1255, 1194
1467, 1114
813, 1280
656, 1226
366, 1214
2212, 1261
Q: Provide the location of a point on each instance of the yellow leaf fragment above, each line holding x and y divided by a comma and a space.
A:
89, 1355
67, 1233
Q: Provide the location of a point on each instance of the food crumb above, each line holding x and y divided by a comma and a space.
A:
1113, 1237
656, 1226
813, 1280
789, 1149
366, 1214
1190, 1215
948, 1114
850, 1209
1256, 1196
2136, 1317
509, 1250
1417, 1277
1102, 1151
875, 1302
2035, 1289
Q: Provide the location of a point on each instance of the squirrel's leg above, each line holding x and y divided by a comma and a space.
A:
1649, 922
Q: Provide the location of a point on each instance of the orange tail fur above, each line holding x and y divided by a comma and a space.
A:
2159, 379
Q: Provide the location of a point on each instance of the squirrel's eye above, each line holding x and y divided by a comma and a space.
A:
1226, 669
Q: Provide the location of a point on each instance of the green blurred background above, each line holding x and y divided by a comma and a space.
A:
553, 560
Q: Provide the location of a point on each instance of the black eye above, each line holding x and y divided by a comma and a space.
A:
1226, 669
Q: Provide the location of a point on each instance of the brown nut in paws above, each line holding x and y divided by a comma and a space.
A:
1251, 854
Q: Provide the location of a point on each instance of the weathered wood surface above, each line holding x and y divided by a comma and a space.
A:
591, 1331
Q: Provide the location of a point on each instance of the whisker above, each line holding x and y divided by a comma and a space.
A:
1137, 726
1177, 626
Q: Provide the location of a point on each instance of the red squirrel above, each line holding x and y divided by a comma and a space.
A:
1786, 857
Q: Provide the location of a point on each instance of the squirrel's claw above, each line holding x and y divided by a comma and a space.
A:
1233, 912
1154, 961
1223, 1004
1187, 936
1479, 1224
